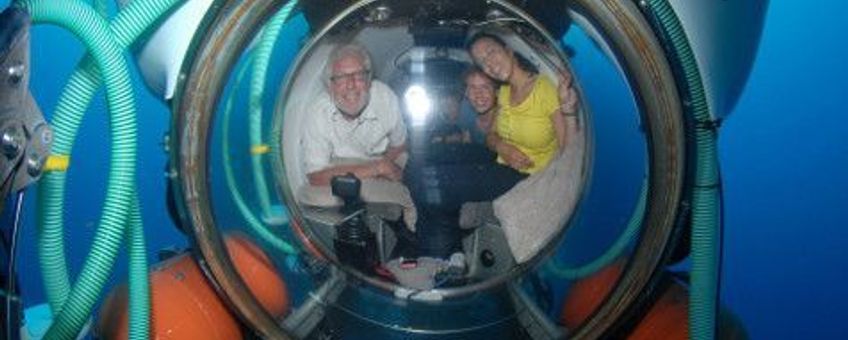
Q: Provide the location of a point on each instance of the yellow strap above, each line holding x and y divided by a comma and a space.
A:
57, 163
260, 149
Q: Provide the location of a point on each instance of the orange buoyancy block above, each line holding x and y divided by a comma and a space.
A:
185, 306
586, 295
258, 273
667, 318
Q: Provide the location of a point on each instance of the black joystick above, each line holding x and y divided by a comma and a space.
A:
347, 187
355, 244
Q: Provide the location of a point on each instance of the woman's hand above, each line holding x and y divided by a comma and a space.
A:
567, 95
513, 156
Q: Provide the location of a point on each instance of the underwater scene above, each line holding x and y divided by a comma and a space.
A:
434, 169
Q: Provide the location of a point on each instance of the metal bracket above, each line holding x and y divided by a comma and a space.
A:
303, 321
25, 137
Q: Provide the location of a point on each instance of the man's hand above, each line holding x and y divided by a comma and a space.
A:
387, 169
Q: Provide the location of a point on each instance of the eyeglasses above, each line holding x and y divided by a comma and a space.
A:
358, 76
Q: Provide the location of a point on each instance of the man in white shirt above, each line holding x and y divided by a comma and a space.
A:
356, 127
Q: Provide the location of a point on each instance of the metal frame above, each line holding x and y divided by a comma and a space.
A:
636, 50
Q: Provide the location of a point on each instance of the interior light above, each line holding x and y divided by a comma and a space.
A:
418, 104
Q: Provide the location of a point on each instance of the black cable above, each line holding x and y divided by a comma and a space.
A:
5, 189
10, 287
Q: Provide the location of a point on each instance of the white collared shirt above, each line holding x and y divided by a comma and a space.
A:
330, 136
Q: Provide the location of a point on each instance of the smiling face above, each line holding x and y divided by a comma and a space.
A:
493, 58
480, 91
350, 84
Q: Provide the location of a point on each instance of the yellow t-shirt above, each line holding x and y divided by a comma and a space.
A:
528, 125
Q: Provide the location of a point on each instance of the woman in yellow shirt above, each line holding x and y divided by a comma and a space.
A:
529, 129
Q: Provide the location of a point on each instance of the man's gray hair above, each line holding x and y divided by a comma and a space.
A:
342, 51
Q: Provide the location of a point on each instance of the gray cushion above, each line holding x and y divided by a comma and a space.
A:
533, 211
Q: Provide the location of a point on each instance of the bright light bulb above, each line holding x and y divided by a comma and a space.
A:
418, 104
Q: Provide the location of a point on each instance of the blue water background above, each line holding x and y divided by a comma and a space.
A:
784, 155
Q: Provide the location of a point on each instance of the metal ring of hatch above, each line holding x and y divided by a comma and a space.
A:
317, 249
640, 55
647, 69
227, 30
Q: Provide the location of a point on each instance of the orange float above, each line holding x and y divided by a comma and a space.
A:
257, 271
667, 318
185, 306
586, 295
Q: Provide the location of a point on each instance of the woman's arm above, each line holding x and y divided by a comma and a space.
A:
511, 154
565, 119
558, 121
568, 98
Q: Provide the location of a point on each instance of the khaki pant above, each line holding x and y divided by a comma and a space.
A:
373, 191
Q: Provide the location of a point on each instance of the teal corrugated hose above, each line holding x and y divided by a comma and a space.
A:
265, 48
101, 7
257, 226
129, 23
259, 58
139, 286
705, 222
615, 250
92, 30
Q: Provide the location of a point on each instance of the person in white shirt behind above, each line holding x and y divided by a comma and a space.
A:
356, 127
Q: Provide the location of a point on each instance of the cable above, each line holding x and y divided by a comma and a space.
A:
706, 211
254, 223
262, 57
10, 286
73, 307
